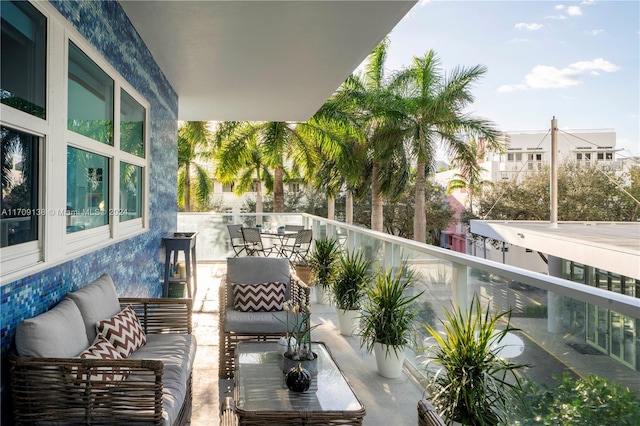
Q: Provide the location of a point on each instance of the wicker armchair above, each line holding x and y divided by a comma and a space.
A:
236, 326
427, 415
47, 391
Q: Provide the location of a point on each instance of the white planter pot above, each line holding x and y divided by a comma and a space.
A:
389, 363
348, 320
321, 295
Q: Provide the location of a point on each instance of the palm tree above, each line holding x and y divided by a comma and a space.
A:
378, 108
243, 166
435, 115
276, 143
194, 143
470, 176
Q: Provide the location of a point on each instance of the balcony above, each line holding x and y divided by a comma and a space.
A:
445, 277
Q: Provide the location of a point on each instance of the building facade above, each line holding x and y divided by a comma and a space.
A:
88, 121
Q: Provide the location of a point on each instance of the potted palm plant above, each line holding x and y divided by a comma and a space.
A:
348, 288
467, 379
386, 321
323, 261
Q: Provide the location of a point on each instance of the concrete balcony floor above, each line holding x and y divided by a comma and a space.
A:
387, 401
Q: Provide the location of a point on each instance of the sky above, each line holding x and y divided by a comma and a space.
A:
578, 61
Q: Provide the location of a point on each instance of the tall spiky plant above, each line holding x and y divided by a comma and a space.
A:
388, 312
474, 384
351, 280
323, 261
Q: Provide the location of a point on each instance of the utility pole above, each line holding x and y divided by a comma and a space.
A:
553, 184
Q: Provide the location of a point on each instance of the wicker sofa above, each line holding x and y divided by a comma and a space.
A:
237, 326
51, 384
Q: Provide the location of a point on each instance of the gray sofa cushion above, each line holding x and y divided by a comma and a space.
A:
96, 302
256, 270
178, 352
57, 333
256, 322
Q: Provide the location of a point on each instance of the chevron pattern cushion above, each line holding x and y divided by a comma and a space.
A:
123, 331
100, 349
264, 297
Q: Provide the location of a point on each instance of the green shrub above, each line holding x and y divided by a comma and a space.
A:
589, 401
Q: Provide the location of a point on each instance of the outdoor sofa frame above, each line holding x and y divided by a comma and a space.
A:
43, 394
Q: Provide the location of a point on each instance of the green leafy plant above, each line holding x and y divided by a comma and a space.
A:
470, 383
351, 279
387, 311
323, 261
585, 401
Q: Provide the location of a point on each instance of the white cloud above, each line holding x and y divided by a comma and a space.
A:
548, 77
528, 27
558, 17
511, 88
574, 11
559, 7
595, 32
588, 2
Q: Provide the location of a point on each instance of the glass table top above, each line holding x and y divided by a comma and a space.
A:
260, 384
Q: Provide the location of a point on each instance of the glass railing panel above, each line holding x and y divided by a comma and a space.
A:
558, 333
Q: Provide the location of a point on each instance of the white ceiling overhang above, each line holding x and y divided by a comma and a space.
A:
260, 60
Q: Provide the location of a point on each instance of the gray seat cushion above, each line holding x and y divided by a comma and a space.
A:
96, 302
57, 333
178, 352
256, 322
256, 270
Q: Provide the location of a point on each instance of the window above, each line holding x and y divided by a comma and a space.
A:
74, 179
87, 190
90, 100
20, 172
579, 156
518, 156
294, 187
227, 187
23, 61
510, 156
132, 118
130, 192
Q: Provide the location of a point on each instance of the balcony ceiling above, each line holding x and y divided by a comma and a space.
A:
260, 60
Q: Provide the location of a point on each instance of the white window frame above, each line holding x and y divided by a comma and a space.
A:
54, 245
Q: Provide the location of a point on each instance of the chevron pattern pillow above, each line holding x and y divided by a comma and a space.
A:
264, 297
123, 331
100, 349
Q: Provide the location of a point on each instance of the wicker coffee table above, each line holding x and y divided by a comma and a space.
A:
261, 396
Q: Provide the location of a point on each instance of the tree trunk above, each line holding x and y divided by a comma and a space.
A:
331, 208
377, 219
278, 191
259, 208
349, 208
420, 217
187, 187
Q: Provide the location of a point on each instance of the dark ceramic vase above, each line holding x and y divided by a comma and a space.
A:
298, 379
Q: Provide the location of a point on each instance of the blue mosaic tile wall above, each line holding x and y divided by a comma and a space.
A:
134, 264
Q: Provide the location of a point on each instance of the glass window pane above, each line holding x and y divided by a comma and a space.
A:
132, 116
20, 209
23, 61
90, 105
87, 190
130, 192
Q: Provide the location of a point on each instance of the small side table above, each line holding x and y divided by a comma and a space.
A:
174, 243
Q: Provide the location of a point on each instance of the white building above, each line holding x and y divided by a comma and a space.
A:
530, 150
